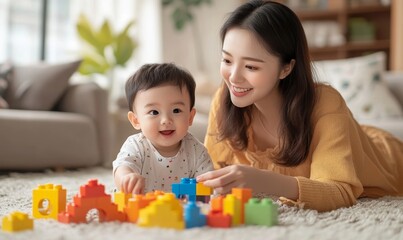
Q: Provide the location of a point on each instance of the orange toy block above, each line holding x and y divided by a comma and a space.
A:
48, 201
121, 199
165, 212
202, 190
136, 203
232, 206
217, 203
91, 196
243, 194
17, 221
217, 219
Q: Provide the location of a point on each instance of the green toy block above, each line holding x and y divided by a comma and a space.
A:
261, 212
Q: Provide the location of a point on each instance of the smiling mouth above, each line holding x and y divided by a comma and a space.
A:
167, 132
240, 90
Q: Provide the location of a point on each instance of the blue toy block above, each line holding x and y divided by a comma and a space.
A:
193, 217
186, 187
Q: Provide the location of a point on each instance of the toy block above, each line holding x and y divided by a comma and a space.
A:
17, 221
217, 219
202, 190
243, 194
121, 199
136, 203
193, 216
232, 206
162, 213
187, 186
48, 201
91, 196
216, 203
262, 212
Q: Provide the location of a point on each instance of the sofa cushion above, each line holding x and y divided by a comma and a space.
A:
5, 70
39, 86
360, 82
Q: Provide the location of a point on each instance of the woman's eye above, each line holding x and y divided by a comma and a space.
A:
251, 67
153, 112
226, 61
177, 110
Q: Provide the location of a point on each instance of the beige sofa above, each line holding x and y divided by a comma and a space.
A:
75, 132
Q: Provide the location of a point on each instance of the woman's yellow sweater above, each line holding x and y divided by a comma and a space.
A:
345, 161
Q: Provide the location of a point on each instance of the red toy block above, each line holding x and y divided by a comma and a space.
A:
217, 219
91, 196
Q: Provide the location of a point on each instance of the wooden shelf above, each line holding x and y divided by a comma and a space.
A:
378, 15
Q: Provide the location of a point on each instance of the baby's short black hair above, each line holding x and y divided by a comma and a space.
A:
157, 74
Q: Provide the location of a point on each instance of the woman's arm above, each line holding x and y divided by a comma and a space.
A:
260, 181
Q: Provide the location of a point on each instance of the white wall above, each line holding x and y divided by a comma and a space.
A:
179, 47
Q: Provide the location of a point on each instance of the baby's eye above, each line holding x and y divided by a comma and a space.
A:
153, 112
177, 110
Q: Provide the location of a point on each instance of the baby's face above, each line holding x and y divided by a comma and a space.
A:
163, 115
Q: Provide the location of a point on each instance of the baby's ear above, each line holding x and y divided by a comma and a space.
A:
133, 120
192, 116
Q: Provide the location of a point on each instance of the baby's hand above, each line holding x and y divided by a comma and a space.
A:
132, 183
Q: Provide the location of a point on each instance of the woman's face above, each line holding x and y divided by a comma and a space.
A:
250, 72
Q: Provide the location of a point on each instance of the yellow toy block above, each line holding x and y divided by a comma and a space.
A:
17, 221
121, 199
48, 201
243, 194
202, 190
165, 212
232, 206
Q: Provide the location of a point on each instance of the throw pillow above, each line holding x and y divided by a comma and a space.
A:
5, 70
360, 81
39, 86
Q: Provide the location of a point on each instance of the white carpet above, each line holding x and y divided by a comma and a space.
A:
369, 219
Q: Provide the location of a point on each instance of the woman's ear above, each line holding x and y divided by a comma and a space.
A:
286, 70
133, 120
192, 116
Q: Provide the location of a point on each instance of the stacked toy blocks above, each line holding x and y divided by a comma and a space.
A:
17, 221
92, 195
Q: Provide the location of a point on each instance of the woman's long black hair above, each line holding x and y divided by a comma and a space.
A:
281, 32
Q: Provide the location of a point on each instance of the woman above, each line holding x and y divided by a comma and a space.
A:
273, 129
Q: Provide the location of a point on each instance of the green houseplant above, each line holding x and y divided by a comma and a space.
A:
104, 49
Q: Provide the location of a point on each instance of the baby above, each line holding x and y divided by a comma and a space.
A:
161, 101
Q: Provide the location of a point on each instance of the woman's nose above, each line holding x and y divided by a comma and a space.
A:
235, 76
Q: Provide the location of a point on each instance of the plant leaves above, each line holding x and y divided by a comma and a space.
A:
123, 48
104, 35
90, 65
85, 31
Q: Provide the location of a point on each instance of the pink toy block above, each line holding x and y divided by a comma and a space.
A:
91, 196
17, 221
55, 196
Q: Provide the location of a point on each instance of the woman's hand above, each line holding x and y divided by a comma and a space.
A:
234, 176
242, 176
